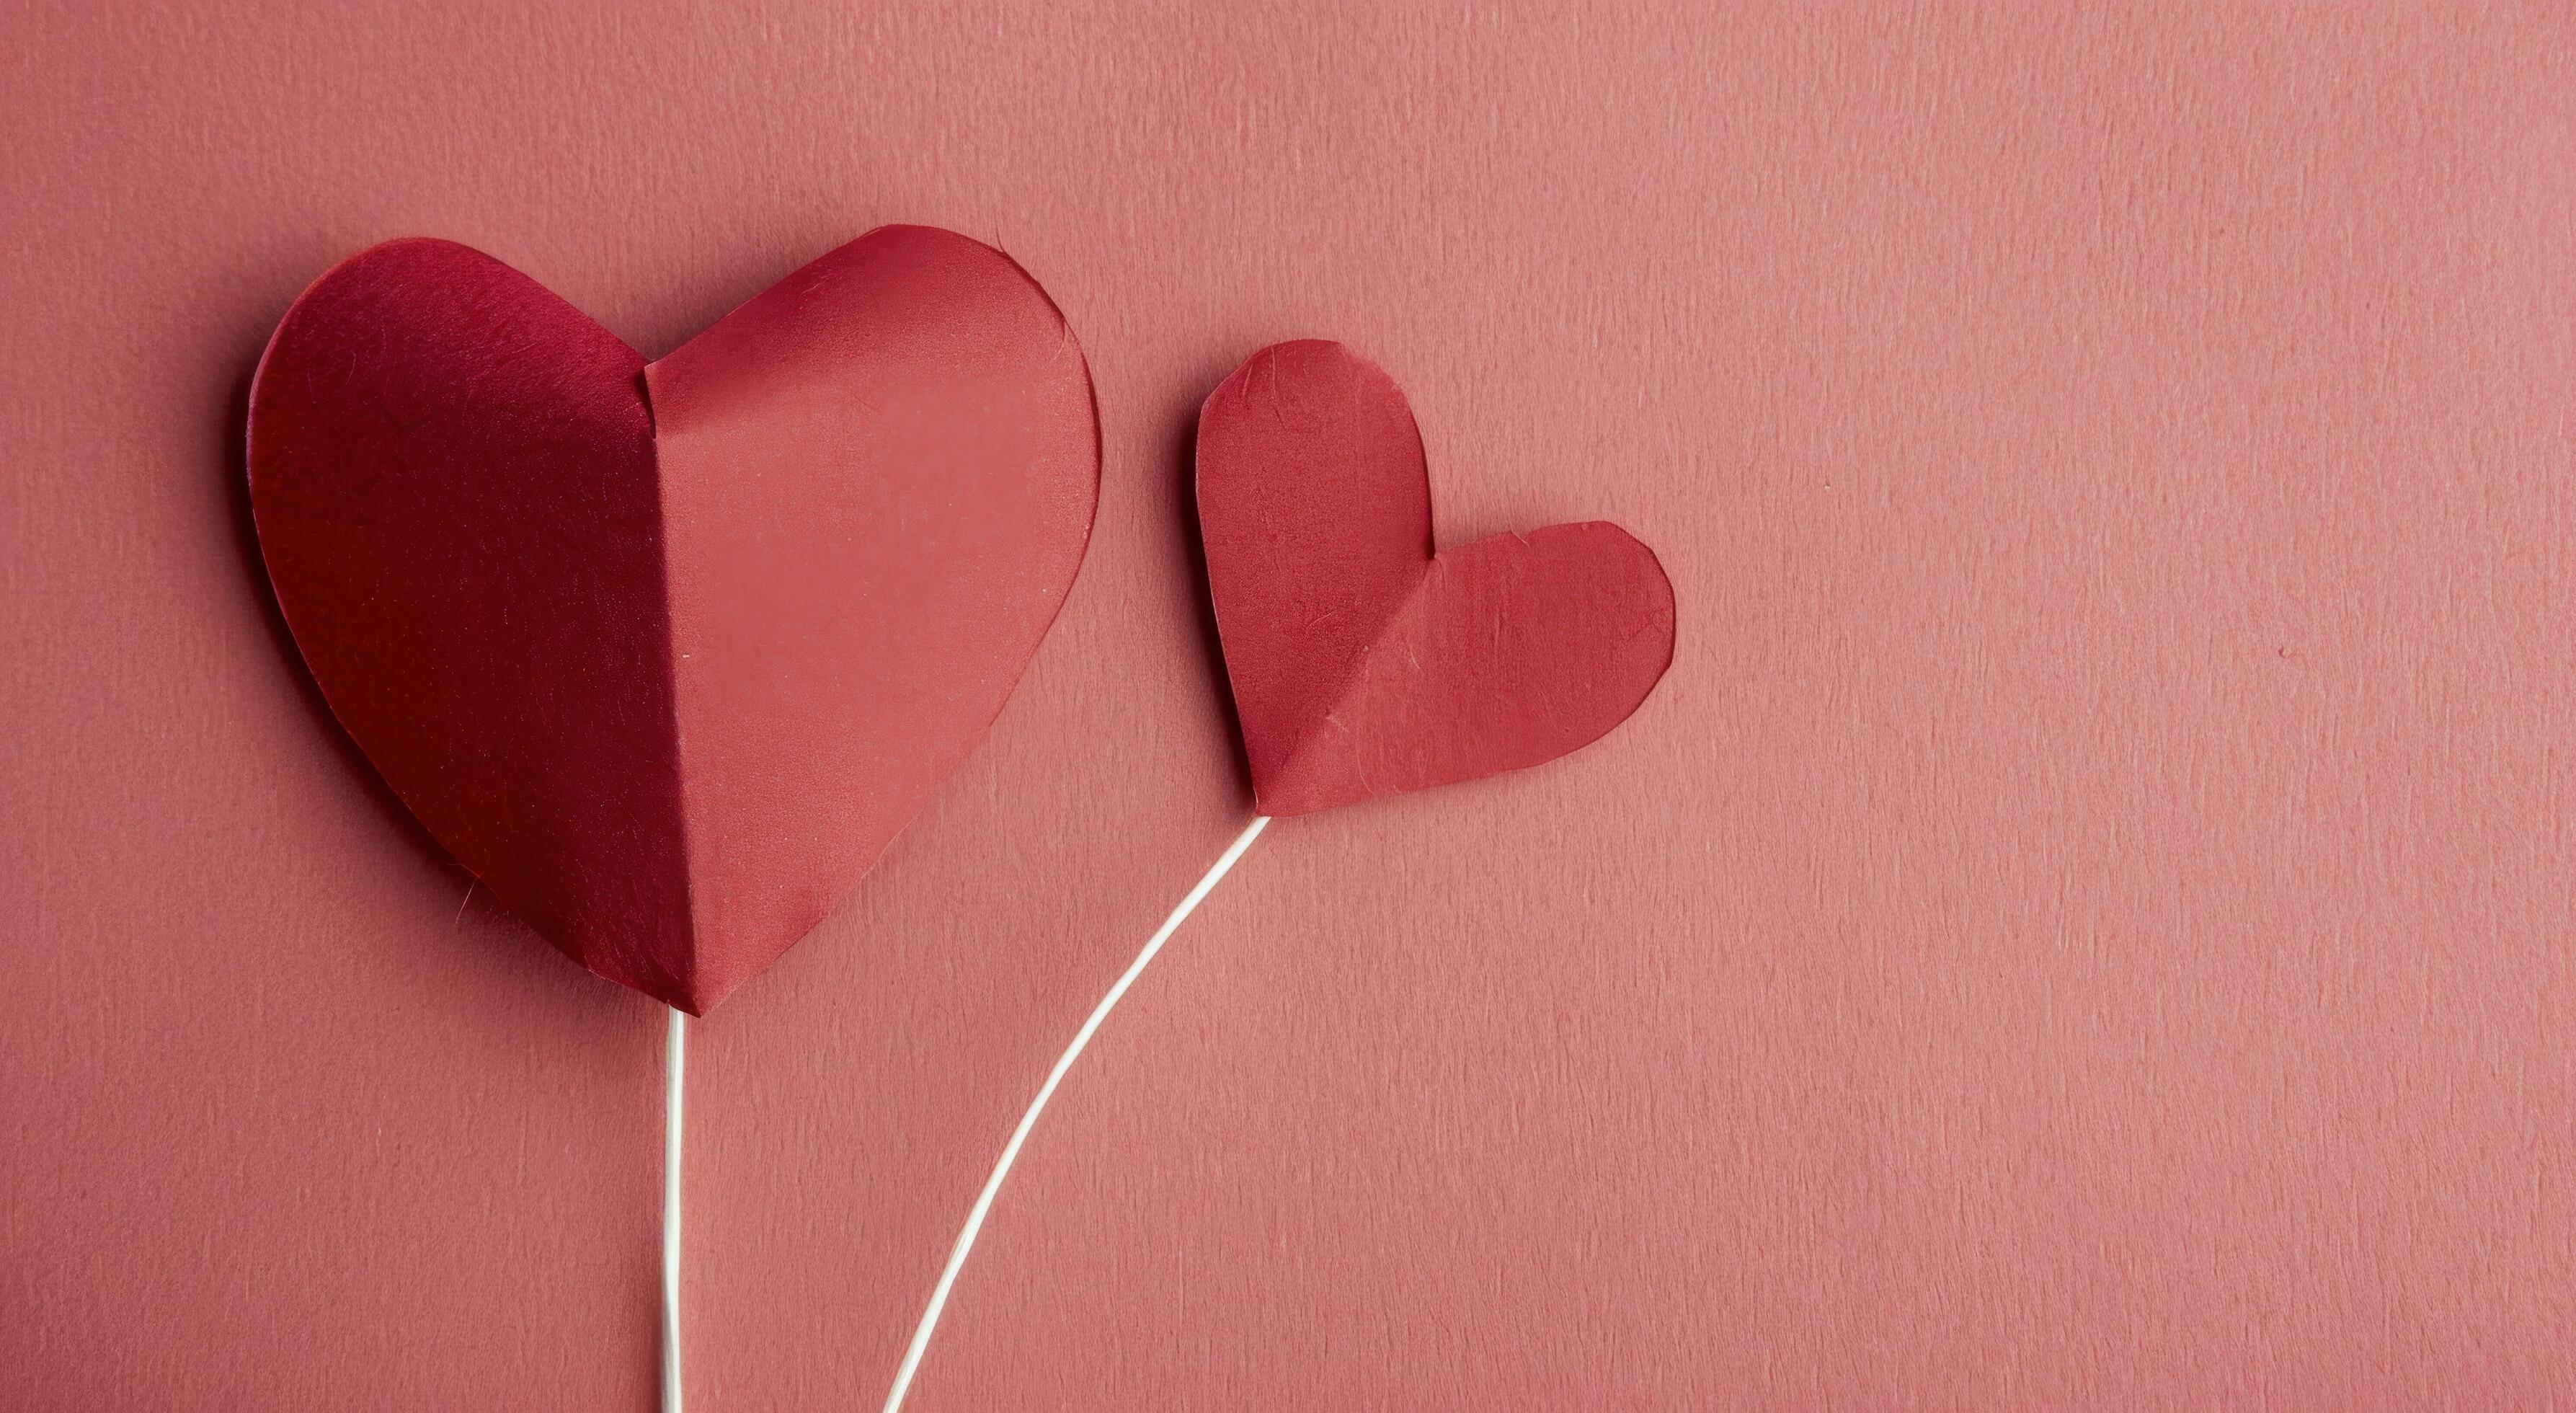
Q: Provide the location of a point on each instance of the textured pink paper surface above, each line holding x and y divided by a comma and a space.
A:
2087, 919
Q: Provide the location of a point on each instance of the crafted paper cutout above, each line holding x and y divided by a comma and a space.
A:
667, 653
1363, 664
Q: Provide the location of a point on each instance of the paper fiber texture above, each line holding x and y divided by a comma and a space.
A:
666, 654
2083, 923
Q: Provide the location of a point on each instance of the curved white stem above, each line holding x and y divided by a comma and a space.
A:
677, 1055
1046, 1091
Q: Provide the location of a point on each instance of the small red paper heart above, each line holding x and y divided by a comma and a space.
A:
666, 654
1362, 663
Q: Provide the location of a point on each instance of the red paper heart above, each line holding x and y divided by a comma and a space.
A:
666, 654
1363, 664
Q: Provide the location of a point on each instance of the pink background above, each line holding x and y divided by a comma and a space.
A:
2088, 918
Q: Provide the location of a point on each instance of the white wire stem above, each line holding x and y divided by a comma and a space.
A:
672, 1068
1046, 1091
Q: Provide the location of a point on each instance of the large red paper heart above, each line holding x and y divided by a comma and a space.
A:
1363, 664
667, 653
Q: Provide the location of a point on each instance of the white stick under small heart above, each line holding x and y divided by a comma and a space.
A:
1011, 1150
674, 1070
